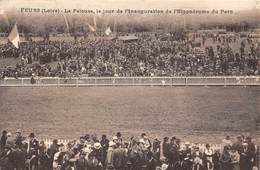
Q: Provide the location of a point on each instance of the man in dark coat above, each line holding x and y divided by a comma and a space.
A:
54, 148
238, 145
19, 139
3, 140
246, 158
119, 158
45, 161
20, 157
166, 148
33, 151
104, 143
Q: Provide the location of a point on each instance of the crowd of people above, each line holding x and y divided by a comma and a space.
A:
149, 55
91, 153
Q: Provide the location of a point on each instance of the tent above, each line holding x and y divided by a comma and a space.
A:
128, 38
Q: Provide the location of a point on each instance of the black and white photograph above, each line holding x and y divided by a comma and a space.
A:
129, 85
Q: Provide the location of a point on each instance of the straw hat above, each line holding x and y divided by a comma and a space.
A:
97, 145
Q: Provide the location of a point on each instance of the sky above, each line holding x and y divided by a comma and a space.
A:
133, 4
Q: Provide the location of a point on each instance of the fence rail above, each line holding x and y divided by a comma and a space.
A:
134, 81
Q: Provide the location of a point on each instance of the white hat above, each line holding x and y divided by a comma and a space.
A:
245, 144
97, 145
111, 143
164, 166
114, 138
9, 134
187, 143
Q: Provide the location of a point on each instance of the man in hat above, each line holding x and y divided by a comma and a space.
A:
119, 139
33, 151
208, 157
19, 139
226, 142
238, 145
145, 142
166, 148
156, 148
251, 145
58, 157
245, 158
54, 148
3, 140
94, 158
105, 144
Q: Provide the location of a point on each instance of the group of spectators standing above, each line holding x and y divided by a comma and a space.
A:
149, 55
91, 153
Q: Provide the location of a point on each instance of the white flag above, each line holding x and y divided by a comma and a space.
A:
108, 31
66, 22
13, 37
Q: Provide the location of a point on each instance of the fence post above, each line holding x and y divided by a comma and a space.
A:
133, 80
244, 81
22, 82
225, 81
4, 81
205, 82
114, 81
77, 82
186, 81
58, 81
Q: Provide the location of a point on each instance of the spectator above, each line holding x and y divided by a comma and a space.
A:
105, 144
246, 158
238, 145
19, 139
33, 150
144, 57
109, 158
208, 157
3, 140
235, 158
225, 159
87, 154
119, 158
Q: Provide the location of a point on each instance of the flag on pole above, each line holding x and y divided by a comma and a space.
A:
108, 31
91, 28
66, 22
95, 22
13, 36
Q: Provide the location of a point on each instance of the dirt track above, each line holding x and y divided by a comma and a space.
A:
198, 114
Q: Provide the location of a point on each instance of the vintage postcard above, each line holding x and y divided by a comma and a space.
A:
129, 84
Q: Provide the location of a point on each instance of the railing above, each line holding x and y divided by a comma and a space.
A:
134, 81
